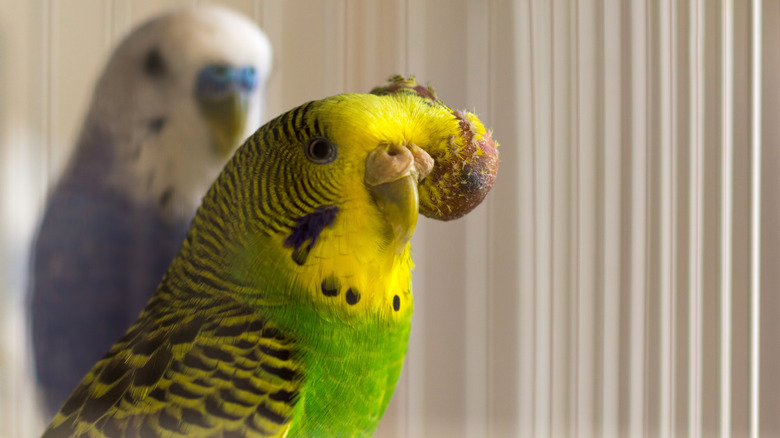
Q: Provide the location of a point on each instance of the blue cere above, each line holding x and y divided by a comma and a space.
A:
218, 80
247, 78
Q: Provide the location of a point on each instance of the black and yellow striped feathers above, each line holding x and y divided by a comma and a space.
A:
188, 370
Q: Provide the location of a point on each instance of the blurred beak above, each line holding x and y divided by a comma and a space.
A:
226, 117
392, 175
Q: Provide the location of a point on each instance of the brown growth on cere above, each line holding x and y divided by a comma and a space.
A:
465, 167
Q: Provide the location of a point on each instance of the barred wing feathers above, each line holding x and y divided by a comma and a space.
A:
205, 367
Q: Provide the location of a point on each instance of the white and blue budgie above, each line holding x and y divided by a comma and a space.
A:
175, 99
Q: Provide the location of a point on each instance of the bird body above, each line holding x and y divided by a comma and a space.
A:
150, 146
287, 310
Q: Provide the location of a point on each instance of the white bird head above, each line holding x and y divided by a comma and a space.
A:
175, 99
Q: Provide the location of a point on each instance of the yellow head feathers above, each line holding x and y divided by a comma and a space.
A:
333, 189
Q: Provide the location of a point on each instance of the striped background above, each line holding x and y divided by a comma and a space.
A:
622, 279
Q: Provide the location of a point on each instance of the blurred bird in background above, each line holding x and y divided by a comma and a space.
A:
176, 98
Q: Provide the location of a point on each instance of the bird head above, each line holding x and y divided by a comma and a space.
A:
330, 192
177, 97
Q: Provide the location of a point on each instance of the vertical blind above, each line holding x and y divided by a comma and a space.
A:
622, 278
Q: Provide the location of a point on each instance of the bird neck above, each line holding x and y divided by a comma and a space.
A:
345, 274
351, 374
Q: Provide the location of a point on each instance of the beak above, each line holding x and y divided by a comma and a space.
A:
392, 175
226, 116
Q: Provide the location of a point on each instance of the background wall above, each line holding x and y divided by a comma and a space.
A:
623, 277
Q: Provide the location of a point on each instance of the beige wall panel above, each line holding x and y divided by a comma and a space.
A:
621, 278
79, 41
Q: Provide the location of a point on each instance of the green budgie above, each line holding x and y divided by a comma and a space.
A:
287, 309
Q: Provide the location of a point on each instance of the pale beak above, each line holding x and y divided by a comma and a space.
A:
392, 175
226, 116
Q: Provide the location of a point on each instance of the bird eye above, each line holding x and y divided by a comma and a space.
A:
320, 150
154, 64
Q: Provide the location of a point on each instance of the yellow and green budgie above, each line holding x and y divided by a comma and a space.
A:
287, 309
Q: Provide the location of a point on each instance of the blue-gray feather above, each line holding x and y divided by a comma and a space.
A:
98, 257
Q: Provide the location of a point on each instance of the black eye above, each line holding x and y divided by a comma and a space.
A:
320, 150
154, 64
